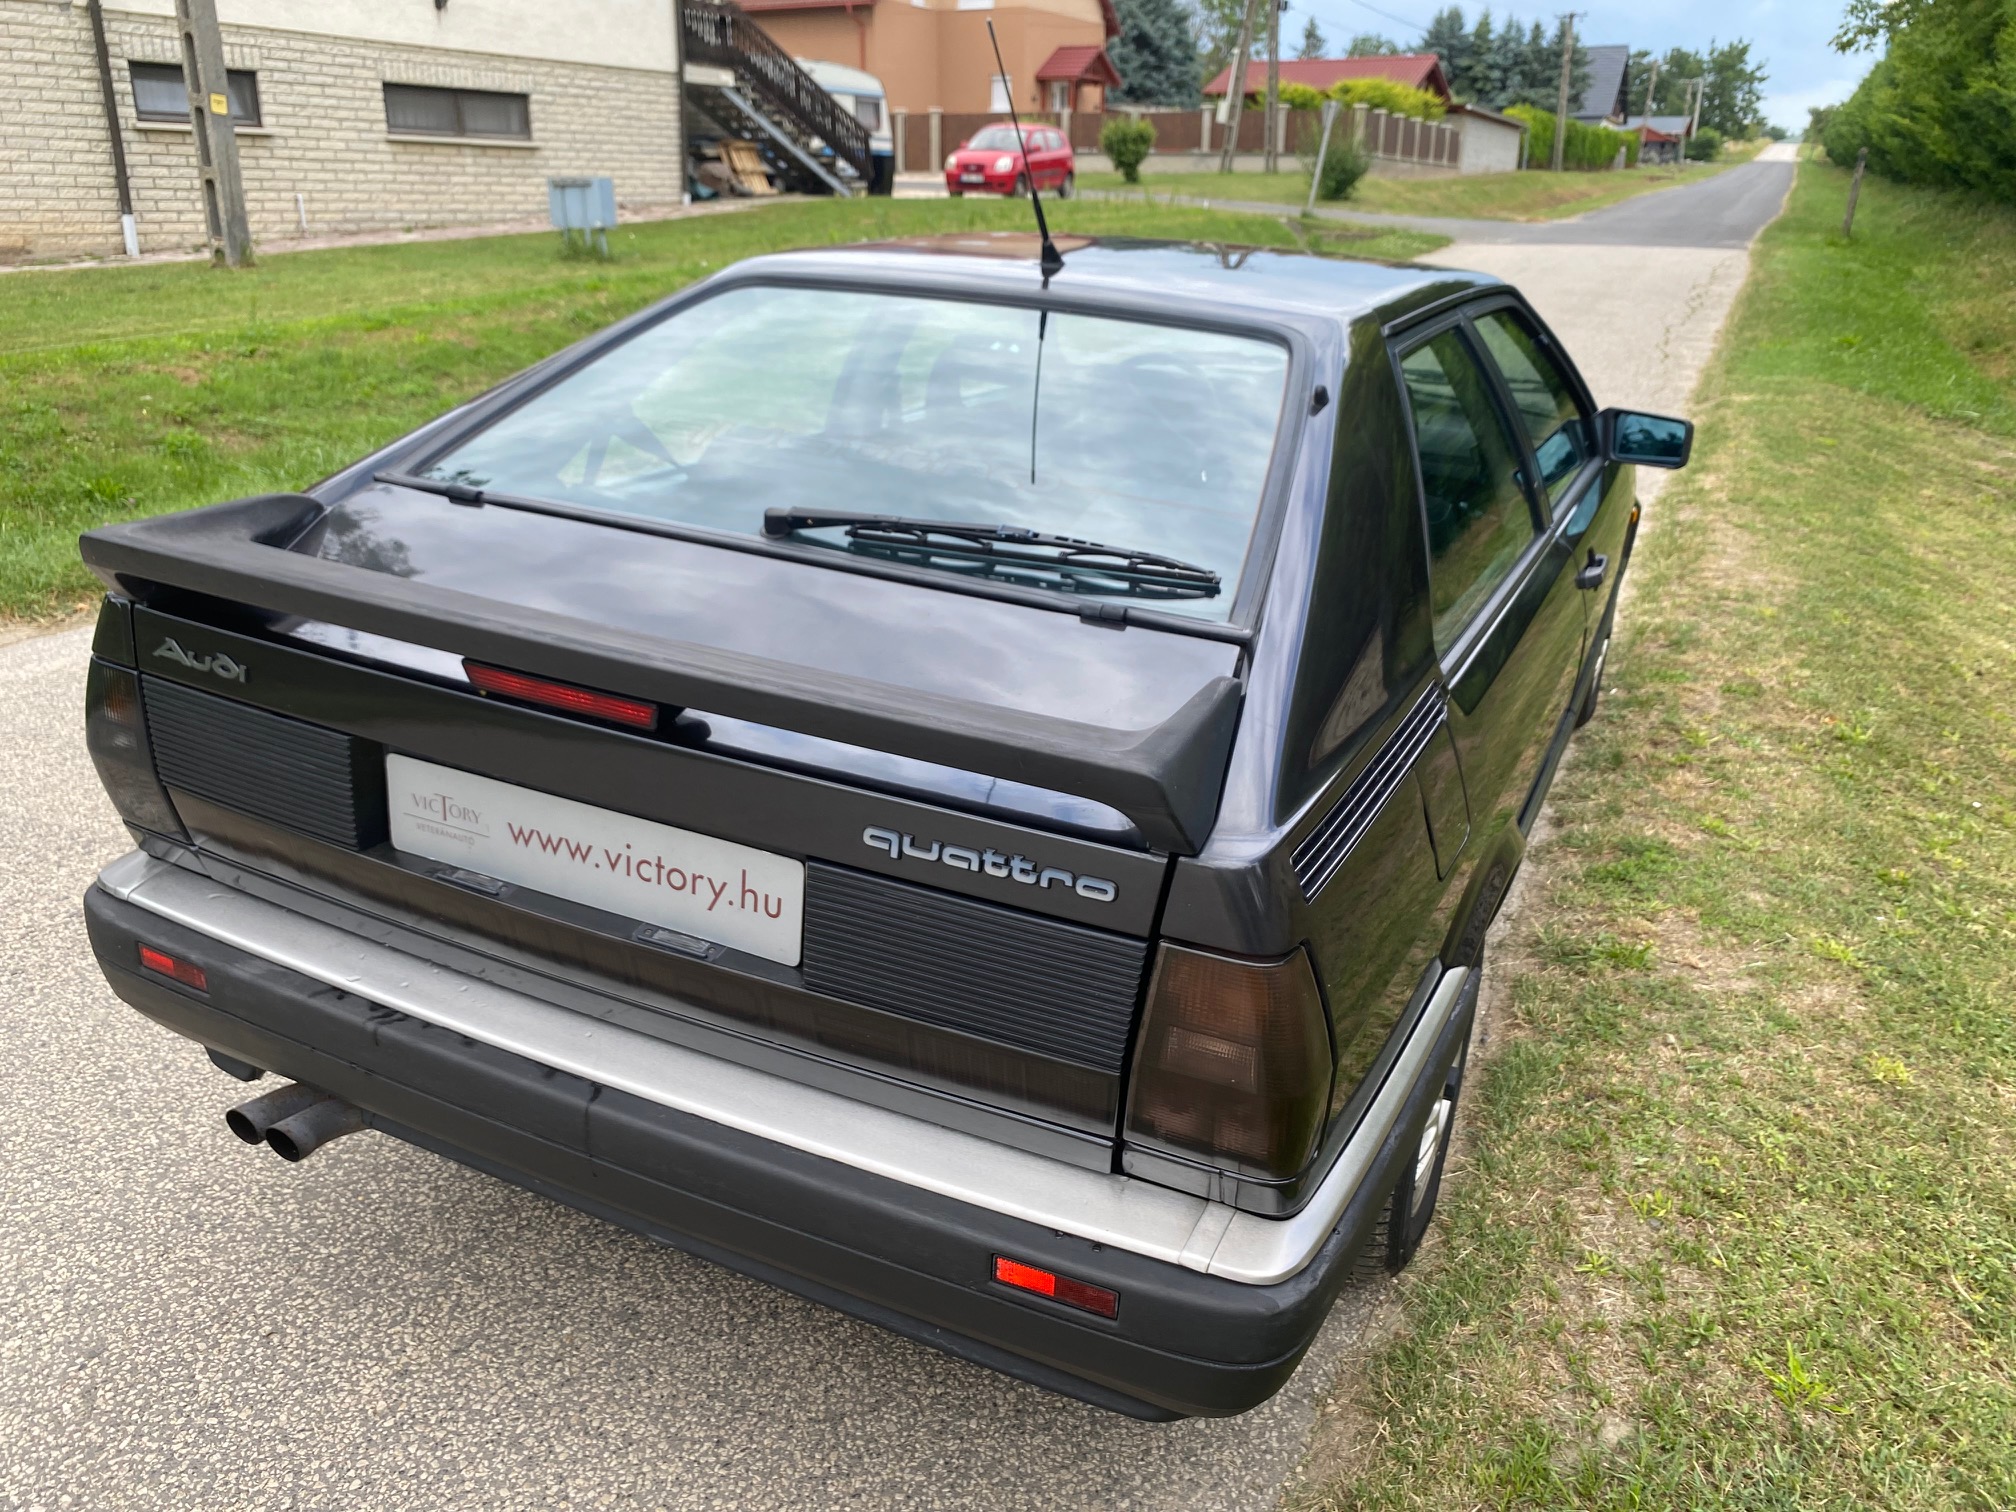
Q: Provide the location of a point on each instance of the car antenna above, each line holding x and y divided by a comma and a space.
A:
1052, 261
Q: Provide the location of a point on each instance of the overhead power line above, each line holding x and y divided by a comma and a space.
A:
1403, 20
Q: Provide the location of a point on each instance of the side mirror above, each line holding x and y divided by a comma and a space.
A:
1648, 440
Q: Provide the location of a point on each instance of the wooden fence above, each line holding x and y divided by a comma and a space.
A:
925, 138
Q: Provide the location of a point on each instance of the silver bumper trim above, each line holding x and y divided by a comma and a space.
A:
1117, 1210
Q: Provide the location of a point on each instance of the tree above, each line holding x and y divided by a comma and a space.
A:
1487, 70
1313, 41
1372, 45
1155, 54
1675, 70
1498, 71
1449, 39
1732, 94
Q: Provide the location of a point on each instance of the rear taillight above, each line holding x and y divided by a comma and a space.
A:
566, 697
1233, 1062
115, 731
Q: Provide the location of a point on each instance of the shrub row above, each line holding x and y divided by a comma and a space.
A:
1940, 108
1373, 94
1587, 147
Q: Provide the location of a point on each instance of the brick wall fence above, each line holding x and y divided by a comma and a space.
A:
322, 136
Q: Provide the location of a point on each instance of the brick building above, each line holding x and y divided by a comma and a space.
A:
377, 114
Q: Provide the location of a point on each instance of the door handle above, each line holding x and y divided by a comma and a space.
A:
1592, 573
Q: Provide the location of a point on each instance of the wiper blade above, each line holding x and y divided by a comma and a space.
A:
448, 488
1011, 551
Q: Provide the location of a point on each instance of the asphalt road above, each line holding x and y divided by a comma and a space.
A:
1725, 211
189, 1323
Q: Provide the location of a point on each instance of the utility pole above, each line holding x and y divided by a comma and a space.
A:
122, 181
1567, 65
216, 141
1651, 96
1330, 109
1274, 8
1235, 87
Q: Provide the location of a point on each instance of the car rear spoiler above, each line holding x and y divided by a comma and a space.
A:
1166, 779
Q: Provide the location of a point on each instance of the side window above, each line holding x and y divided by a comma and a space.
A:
1559, 430
1478, 518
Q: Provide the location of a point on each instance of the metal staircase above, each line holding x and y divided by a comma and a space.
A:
811, 145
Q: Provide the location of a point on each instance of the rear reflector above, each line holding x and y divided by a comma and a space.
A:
563, 696
1030, 1278
186, 972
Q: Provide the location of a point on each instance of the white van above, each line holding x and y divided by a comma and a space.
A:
862, 96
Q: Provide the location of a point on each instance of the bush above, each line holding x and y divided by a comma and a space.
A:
1704, 146
1591, 148
1126, 141
1342, 166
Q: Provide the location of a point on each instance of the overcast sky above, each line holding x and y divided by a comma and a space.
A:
1790, 36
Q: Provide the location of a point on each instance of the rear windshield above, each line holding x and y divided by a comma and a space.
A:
1145, 437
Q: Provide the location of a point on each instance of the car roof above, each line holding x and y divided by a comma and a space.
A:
1222, 277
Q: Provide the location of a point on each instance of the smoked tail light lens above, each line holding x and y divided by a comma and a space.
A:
1233, 1062
115, 732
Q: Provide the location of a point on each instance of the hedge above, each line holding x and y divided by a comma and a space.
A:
1373, 94
1591, 148
1940, 108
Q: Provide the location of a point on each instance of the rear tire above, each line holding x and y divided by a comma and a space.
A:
1403, 1222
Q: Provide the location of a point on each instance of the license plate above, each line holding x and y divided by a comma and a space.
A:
733, 895
972, 178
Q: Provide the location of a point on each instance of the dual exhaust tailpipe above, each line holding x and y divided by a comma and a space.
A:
295, 1121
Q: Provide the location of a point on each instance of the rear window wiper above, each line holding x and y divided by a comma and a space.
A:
1011, 551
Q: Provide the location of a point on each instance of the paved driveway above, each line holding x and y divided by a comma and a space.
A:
189, 1323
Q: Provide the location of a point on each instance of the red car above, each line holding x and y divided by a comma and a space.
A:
994, 162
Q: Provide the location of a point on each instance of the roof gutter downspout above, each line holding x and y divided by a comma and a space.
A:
121, 179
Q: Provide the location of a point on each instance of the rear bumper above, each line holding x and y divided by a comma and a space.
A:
912, 1260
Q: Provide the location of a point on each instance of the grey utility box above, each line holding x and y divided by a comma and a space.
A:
583, 206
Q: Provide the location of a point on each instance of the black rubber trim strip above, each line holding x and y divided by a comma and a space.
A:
1166, 779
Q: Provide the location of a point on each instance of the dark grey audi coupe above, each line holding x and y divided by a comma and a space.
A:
970, 790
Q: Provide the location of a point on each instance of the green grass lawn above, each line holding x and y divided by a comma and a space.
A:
1733, 1224
1483, 196
129, 391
